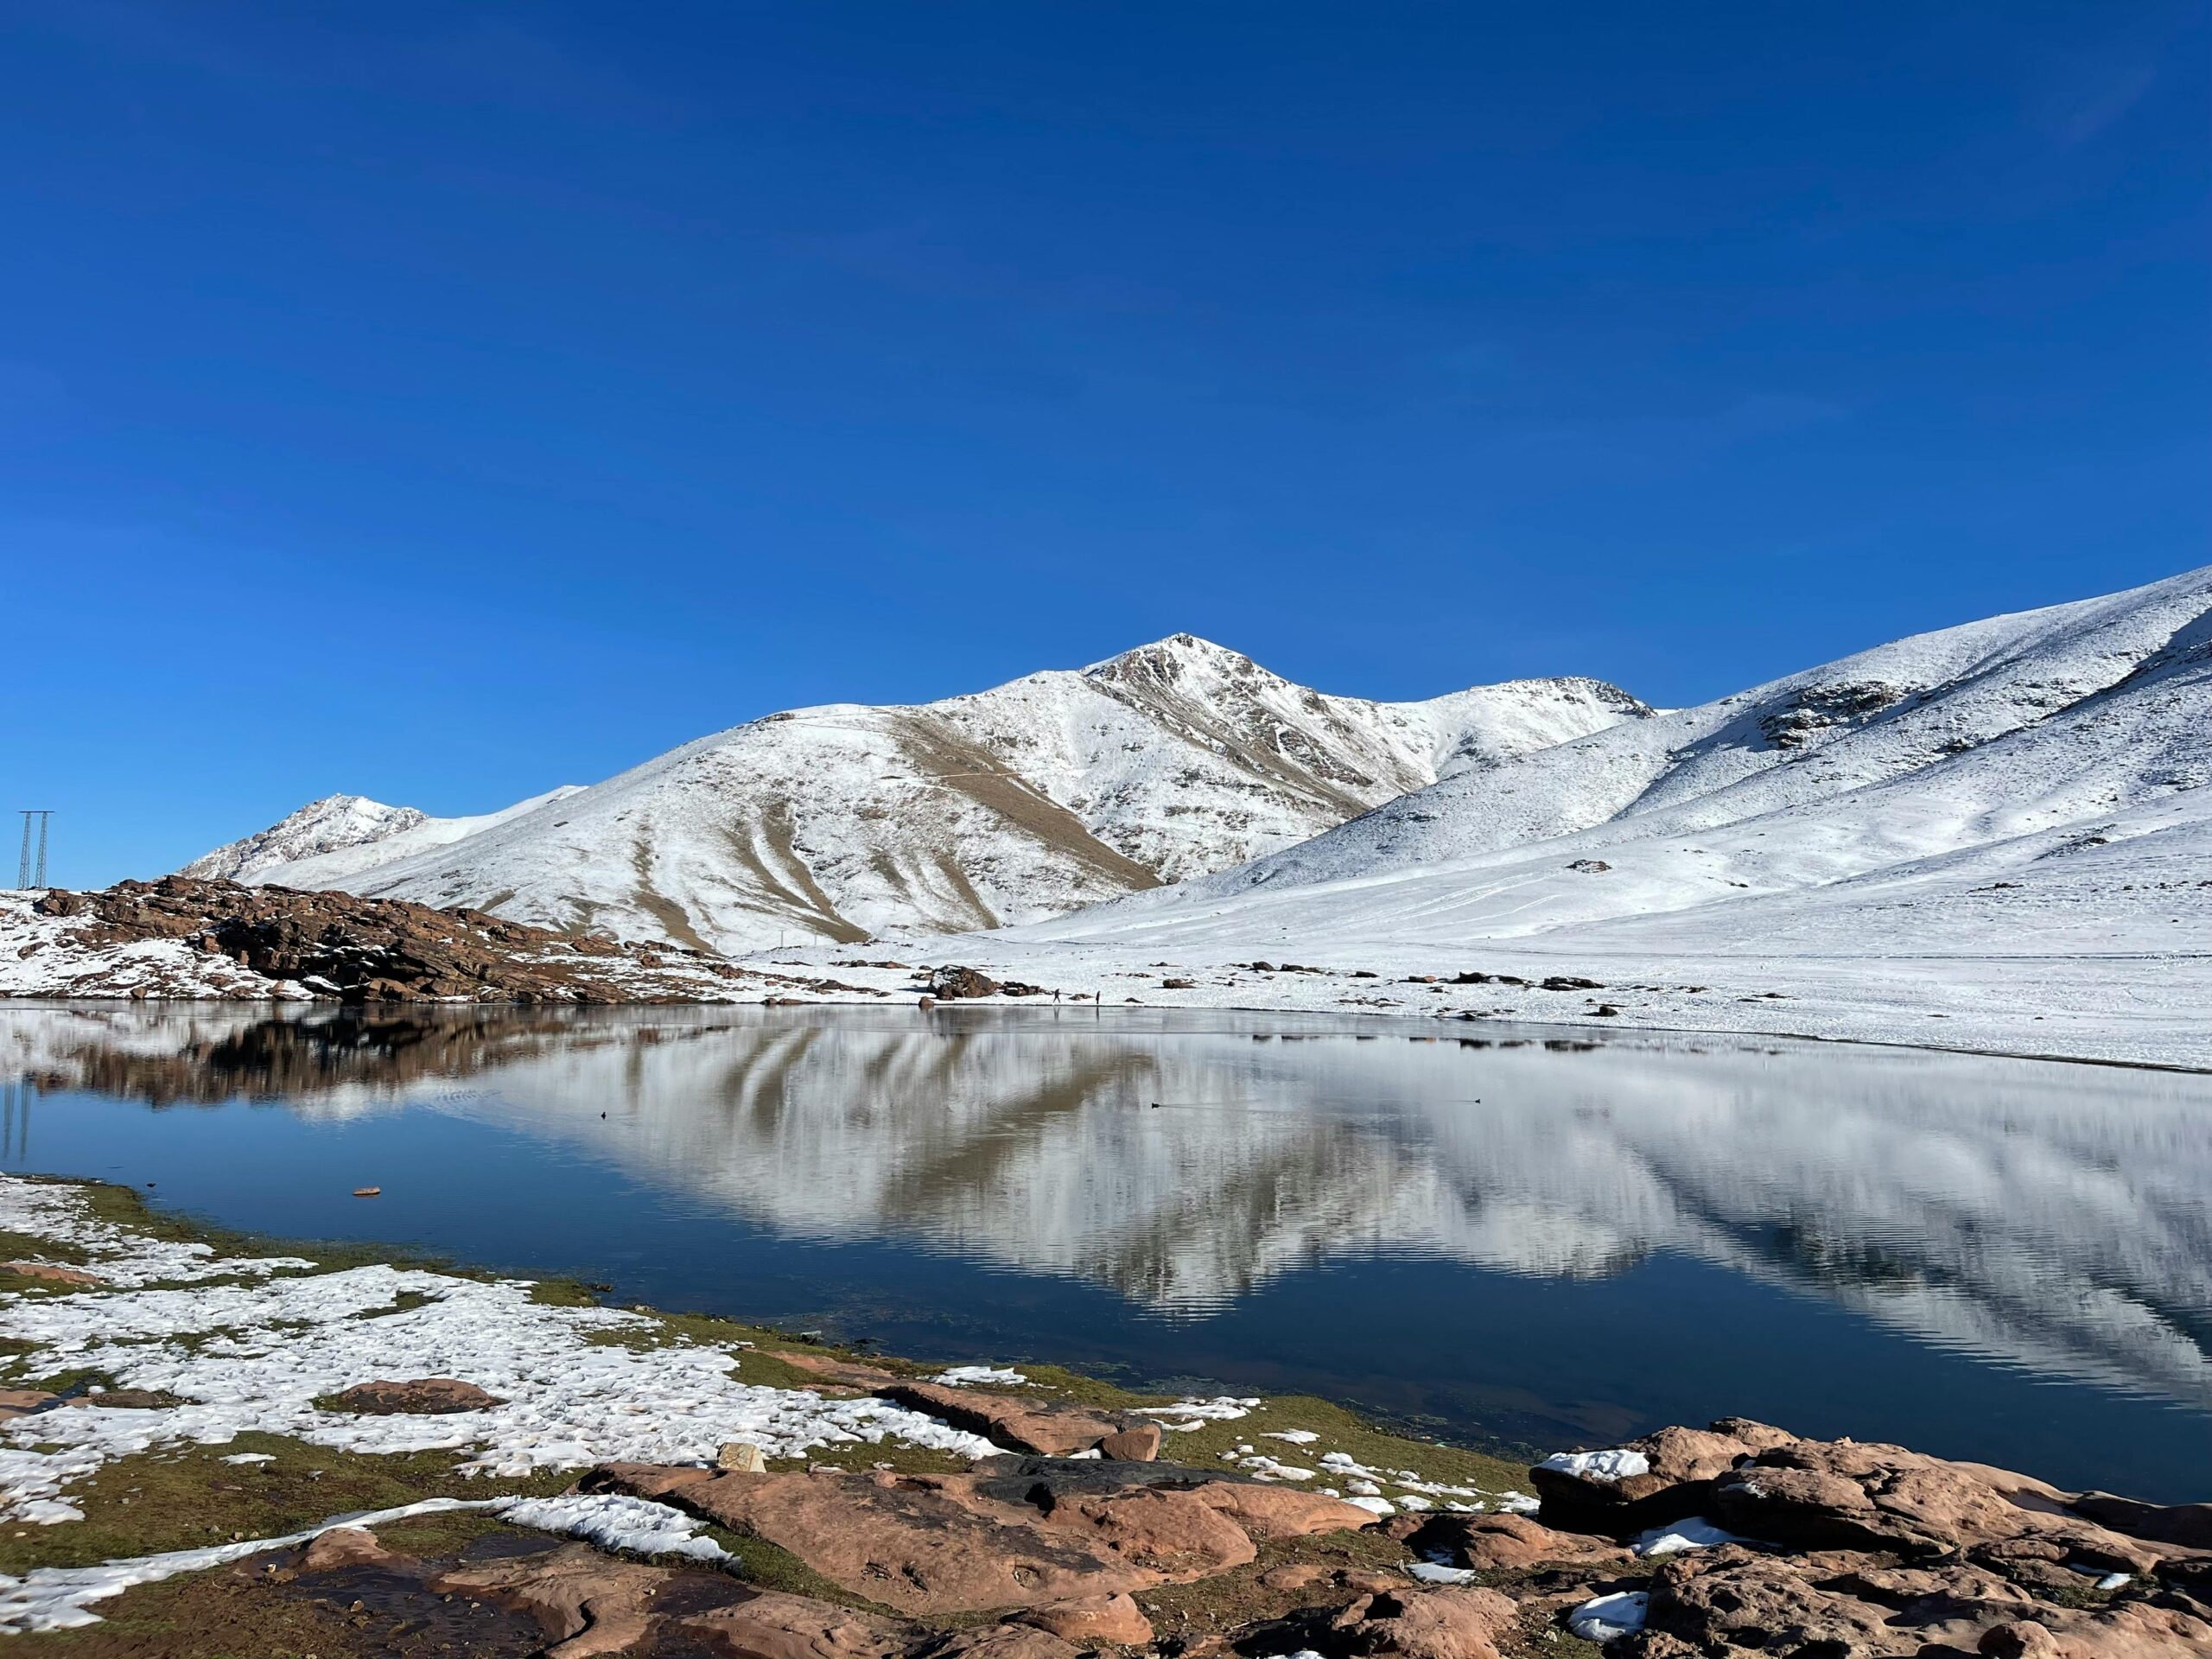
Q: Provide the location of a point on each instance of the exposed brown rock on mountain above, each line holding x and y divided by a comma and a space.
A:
358, 950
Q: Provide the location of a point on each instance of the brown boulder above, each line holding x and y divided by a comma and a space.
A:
21, 1402
1093, 1621
421, 1396
1451, 1624
126, 1399
1044, 1426
1138, 1443
2021, 1639
342, 1546
1728, 1601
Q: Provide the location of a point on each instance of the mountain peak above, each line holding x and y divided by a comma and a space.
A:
1170, 658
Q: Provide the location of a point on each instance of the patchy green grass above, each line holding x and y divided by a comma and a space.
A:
29, 1247
186, 1498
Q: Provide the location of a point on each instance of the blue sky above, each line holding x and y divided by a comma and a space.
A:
442, 402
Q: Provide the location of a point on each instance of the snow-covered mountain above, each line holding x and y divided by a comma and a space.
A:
849, 821
2030, 784
344, 835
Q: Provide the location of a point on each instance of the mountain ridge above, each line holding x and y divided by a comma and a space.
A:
1981, 748
845, 821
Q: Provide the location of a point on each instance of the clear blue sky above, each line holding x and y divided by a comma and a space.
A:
442, 402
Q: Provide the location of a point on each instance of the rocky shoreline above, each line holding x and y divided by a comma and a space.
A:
533, 1471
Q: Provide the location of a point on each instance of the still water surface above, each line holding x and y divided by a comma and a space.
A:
1494, 1236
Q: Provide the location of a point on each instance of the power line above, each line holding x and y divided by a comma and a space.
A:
29, 874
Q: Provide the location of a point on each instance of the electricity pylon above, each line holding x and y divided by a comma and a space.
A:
29, 874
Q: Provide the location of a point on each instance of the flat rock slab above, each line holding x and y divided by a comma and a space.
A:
1048, 1427
844, 1373
1009, 1537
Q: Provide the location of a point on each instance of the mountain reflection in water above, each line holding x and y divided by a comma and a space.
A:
2048, 1219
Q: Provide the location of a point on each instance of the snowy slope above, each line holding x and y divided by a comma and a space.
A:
335, 824
847, 821
343, 835
2065, 752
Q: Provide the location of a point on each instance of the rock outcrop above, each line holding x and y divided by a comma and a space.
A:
332, 944
1842, 1550
1017, 1533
